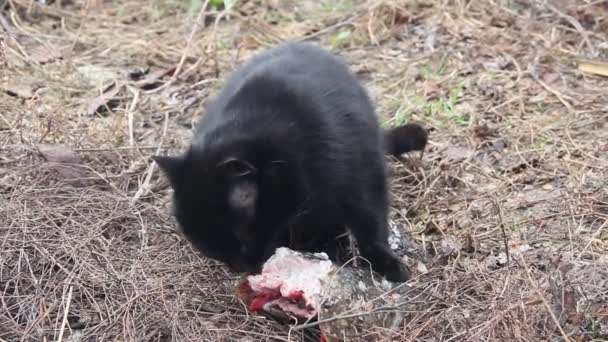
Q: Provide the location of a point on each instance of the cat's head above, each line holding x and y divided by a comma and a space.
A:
215, 201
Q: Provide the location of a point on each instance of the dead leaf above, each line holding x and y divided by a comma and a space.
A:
66, 162
97, 75
469, 246
456, 207
555, 260
95, 4
502, 258
431, 90
44, 54
103, 99
23, 87
499, 63
457, 153
548, 187
364, 72
420, 267
484, 131
402, 16
502, 21
2, 53
513, 163
249, 42
9, 181
600, 313
569, 306
152, 79
450, 246
535, 301
535, 196
593, 67
432, 228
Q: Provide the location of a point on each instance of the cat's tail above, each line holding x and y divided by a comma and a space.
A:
401, 139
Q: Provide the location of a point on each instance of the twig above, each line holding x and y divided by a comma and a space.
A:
119, 148
200, 17
501, 223
576, 25
49, 126
211, 46
65, 313
594, 3
347, 316
83, 17
145, 185
12, 33
544, 301
331, 28
520, 97
557, 94
130, 110
6, 26
593, 236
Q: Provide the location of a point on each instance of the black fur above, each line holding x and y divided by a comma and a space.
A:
288, 153
409, 137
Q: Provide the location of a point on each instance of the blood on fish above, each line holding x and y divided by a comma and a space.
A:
296, 295
257, 303
256, 300
244, 287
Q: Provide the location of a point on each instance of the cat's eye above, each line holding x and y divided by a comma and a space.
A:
237, 167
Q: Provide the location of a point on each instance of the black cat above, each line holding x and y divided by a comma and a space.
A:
289, 154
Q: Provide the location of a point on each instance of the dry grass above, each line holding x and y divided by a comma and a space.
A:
505, 217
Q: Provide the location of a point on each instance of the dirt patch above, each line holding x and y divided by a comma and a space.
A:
504, 220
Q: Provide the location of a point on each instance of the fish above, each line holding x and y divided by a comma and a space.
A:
345, 302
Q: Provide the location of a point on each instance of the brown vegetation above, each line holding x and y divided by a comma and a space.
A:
505, 217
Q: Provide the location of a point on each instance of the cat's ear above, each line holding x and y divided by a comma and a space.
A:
170, 165
236, 167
